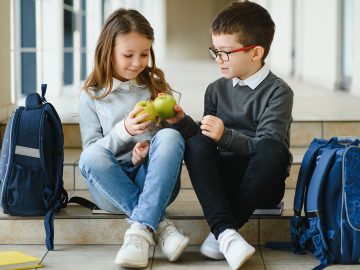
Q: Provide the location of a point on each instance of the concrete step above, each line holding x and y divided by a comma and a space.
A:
73, 180
302, 132
77, 225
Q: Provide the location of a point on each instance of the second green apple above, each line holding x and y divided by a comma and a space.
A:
164, 106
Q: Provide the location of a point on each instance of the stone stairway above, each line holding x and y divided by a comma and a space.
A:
77, 225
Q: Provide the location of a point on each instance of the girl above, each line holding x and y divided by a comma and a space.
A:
128, 166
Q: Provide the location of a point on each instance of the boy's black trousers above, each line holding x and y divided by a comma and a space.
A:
230, 188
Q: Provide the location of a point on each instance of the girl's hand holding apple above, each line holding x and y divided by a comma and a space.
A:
134, 122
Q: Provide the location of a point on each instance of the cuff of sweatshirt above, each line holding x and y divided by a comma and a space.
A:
121, 131
226, 138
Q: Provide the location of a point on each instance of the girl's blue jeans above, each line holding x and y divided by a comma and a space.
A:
142, 192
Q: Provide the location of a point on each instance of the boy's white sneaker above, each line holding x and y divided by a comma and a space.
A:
171, 240
134, 252
210, 248
235, 249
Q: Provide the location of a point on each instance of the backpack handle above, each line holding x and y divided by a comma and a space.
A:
43, 91
34, 100
347, 140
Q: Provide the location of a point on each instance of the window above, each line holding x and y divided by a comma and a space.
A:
74, 41
27, 52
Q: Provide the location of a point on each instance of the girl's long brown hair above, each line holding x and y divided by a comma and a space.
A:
121, 22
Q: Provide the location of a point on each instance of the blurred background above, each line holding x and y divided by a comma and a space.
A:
53, 42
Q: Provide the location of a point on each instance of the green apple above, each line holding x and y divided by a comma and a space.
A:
164, 106
148, 107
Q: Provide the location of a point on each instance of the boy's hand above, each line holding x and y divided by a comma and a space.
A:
140, 152
213, 127
178, 116
132, 123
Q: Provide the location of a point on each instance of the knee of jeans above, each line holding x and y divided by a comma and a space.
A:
169, 137
199, 142
270, 146
91, 158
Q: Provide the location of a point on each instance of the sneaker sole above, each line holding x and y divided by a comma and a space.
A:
245, 259
207, 252
183, 244
131, 264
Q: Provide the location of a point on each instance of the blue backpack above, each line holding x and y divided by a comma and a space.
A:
328, 189
31, 163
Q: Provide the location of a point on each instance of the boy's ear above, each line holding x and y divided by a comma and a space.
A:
258, 53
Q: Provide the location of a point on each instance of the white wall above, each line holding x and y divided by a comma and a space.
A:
356, 50
182, 33
5, 69
280, 52
155, 12
52, 47
188, 28
318, 42
5, 56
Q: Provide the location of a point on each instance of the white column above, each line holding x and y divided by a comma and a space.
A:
93, 29
355, 85
52, 44
155, 12
319, 42
280, 52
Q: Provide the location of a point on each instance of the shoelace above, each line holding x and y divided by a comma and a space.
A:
137, 241
165, 232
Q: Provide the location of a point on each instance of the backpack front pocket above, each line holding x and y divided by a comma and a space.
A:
25, 188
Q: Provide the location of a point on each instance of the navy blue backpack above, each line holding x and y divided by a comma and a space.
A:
31, 163
328, 190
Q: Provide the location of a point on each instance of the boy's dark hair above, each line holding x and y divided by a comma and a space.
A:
249, 21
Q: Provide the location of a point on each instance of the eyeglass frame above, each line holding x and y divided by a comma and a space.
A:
215, 53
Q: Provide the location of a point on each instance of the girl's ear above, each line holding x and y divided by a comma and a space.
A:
258, 53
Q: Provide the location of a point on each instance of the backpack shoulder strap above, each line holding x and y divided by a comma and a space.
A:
306, 170
317, 181
83, 202
50, 215
315, 231
307, 166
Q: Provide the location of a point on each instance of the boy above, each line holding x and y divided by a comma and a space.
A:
238, 159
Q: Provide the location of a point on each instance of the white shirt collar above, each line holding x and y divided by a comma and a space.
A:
125, 85
254, 80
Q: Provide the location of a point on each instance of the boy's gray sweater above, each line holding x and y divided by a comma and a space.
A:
249, 115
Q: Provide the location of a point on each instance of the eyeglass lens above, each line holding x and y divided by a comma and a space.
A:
222, 55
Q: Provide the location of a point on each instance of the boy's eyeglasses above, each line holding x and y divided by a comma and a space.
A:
224, 56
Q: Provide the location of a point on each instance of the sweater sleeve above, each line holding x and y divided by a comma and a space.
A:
92, 132
210, 102
274, 123
187, 127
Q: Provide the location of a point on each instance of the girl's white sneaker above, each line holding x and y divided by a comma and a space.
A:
134, 253
171, 240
